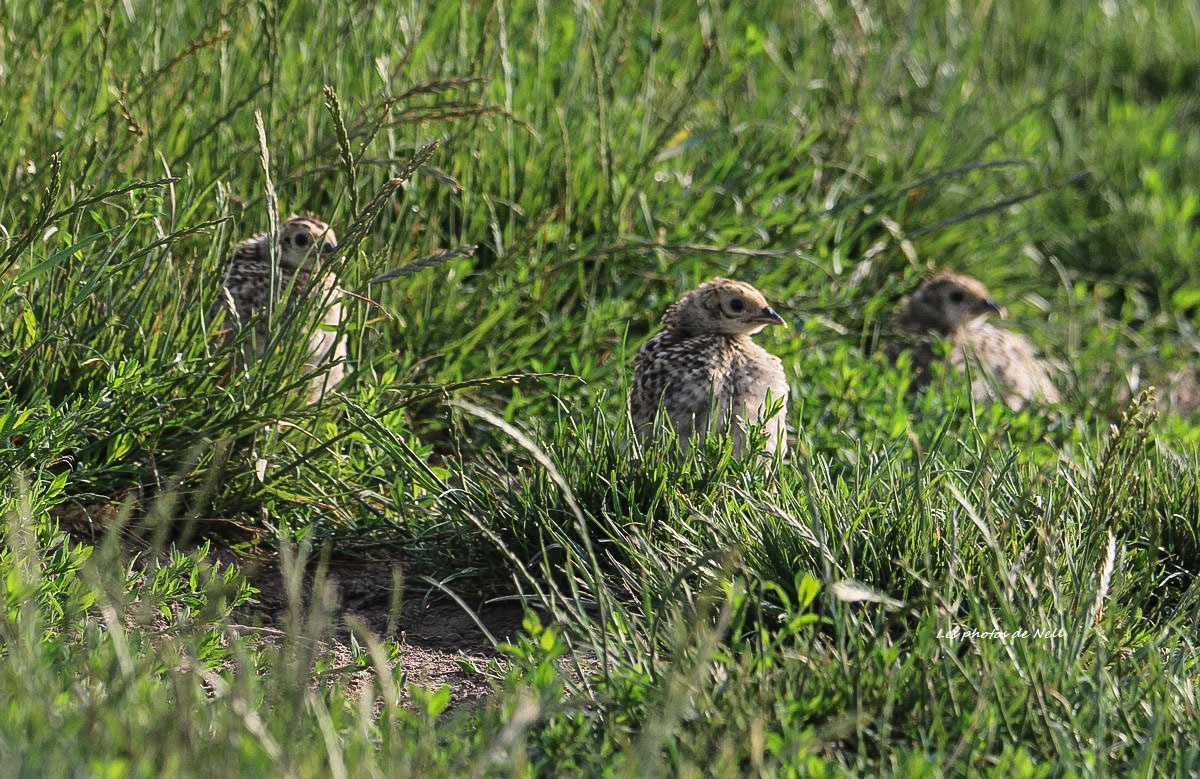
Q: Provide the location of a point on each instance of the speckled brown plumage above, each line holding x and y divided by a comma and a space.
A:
303, 243
955, 308
704, 362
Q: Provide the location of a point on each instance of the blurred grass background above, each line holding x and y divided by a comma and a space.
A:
604, 158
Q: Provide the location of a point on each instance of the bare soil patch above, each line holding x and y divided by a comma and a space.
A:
440, 641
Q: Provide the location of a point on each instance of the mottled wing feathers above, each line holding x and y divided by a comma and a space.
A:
678, 376
1008, 363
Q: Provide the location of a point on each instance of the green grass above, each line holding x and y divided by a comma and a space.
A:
924, 587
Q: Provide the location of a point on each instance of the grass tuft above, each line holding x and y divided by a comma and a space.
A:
924, 585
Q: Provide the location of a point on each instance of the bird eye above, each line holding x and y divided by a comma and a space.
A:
737, 306
301, 240
957, 296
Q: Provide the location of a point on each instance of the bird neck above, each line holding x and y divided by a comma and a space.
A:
917, 320
671, 319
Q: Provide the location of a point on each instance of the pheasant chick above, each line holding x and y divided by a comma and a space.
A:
303, 242
955, 308
703, 374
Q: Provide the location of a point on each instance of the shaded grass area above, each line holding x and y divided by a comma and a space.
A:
924, 586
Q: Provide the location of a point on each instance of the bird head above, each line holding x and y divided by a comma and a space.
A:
722, 307
948, 302
304, 241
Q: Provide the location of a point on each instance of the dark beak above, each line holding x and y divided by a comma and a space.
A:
328, 248
991, 306
769, 316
